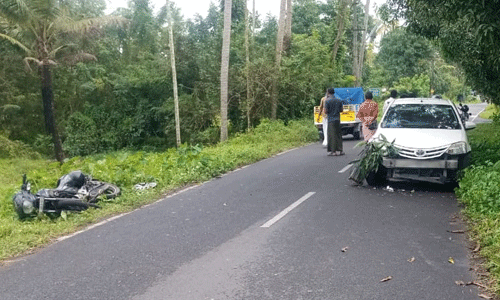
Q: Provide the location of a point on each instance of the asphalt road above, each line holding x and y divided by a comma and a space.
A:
233, 238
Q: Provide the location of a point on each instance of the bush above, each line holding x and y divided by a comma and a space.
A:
16, 149
479, 189
81, 136
485, 143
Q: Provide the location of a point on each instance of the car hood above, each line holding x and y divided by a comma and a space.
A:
421, 137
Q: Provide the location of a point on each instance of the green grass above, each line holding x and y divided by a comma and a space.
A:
479, 191
171, 169
490, 110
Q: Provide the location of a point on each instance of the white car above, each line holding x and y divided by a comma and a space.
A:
430, 139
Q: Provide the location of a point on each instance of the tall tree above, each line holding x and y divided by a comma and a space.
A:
277, 64
362, 49
174, 76
45, 28
224, 72
247, 66
402, 54
468, 32
287, 37
341, 21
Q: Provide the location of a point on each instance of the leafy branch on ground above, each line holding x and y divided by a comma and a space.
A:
370, 157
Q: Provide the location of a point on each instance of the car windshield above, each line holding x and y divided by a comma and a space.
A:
421, 116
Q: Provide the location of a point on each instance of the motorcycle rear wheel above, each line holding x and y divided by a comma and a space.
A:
103, 191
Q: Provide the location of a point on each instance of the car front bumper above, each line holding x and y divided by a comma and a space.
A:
394, 163
440, 170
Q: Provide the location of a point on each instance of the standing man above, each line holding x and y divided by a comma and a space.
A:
333, 108
325, 120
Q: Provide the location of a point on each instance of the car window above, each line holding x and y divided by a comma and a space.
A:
421, 116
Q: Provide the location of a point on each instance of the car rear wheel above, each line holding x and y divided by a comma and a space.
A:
356, 135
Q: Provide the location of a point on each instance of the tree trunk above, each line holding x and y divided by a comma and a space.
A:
279, 50
247, 66
363, 43
355, 46
48, 110
174, 77
224, 73
287, 39
340, 28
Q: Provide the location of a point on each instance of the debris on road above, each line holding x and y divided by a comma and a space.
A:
456, 231
451, 260
386, 279
344, 249
485, 296
411, 259
389, 189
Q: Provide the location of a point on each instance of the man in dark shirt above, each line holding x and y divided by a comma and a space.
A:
333, 108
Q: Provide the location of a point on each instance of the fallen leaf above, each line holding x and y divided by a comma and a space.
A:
484, 296
478, 247
344, 249
411, 259
386, 279
451, 260
460, 282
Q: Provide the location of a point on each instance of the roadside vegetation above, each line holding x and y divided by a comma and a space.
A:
491, 111
479, 191
171, 170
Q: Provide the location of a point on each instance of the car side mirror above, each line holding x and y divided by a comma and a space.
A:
470, 125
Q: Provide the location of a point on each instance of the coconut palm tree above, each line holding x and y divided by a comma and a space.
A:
43, 31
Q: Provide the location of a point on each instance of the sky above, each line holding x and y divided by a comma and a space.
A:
190, 7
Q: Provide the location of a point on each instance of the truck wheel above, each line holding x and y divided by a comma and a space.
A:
356, 135
321, 135
377, 178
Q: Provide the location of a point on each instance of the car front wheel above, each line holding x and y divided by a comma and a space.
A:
377, 178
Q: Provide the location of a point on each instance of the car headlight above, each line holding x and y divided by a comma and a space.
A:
28, 207
458, 148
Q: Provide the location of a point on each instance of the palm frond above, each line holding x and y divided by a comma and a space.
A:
16, 11
73, 59
7, 108
46, 9
27, 61
90, 25
54, 52
15, 42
